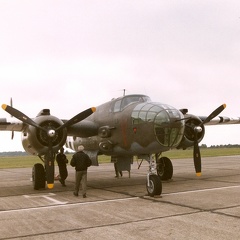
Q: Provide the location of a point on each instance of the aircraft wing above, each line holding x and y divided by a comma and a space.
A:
88, 128
11, 126
220, 120
84, 128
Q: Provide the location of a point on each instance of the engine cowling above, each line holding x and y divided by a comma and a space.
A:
36, 142
192, 123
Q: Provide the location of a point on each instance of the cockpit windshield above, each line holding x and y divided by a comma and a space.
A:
125, 101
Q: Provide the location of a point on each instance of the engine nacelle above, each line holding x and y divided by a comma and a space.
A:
192, 123
36, 141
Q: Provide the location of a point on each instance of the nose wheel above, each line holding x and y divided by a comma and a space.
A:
154, 185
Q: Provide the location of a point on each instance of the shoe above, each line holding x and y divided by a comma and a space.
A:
84, 195
75, 194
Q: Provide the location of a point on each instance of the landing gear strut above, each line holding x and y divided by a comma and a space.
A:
154, 184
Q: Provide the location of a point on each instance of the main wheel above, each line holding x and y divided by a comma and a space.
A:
38, 176
165, 168
155, 186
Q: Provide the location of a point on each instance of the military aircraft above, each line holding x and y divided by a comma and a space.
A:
123, 128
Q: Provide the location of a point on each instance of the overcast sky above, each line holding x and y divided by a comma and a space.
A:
72, 55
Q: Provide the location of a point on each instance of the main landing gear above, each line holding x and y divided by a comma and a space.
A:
44, 173
38, 176
164, 167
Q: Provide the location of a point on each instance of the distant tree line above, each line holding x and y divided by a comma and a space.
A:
17, 153
21, 153
221, 146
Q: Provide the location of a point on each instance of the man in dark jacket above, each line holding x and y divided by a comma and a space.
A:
62, 165
81, 162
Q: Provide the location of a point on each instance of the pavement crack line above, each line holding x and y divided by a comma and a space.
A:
196, 209
80, 229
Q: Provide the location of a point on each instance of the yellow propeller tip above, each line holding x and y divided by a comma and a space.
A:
93, 109
50, 185
4, 106
224, 105
199, 174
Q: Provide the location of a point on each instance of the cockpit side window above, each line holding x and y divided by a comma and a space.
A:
117, 106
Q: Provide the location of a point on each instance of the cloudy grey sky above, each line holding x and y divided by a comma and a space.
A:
71, 55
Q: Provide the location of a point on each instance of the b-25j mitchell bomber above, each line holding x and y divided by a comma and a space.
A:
123, 128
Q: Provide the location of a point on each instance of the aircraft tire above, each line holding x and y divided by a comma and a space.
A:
165, 173
155, 187
38, 176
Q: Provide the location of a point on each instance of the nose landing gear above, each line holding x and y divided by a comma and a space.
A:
154, 184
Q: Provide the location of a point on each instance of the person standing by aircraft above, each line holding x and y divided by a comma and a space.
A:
62, 165
117, 172
81, 161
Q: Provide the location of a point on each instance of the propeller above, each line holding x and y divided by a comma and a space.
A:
21, 116
49, 156
197, 129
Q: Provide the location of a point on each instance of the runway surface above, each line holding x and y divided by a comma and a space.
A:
189, 207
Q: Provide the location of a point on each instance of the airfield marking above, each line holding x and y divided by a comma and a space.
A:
54, 201
63, 204
68, 205
200, 190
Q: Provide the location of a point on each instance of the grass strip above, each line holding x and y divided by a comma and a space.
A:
29, 161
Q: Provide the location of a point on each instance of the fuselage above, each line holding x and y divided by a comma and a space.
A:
133, 125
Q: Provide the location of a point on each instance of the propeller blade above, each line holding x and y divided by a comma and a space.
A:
12, 136
79, 117
49, 165
11, 104
197, 159
214, 113
21, 116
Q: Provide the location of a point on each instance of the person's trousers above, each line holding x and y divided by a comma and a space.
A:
81, 179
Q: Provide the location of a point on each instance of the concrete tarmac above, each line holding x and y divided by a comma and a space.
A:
117, 208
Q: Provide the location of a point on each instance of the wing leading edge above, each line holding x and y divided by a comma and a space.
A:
220, 120
11, 126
